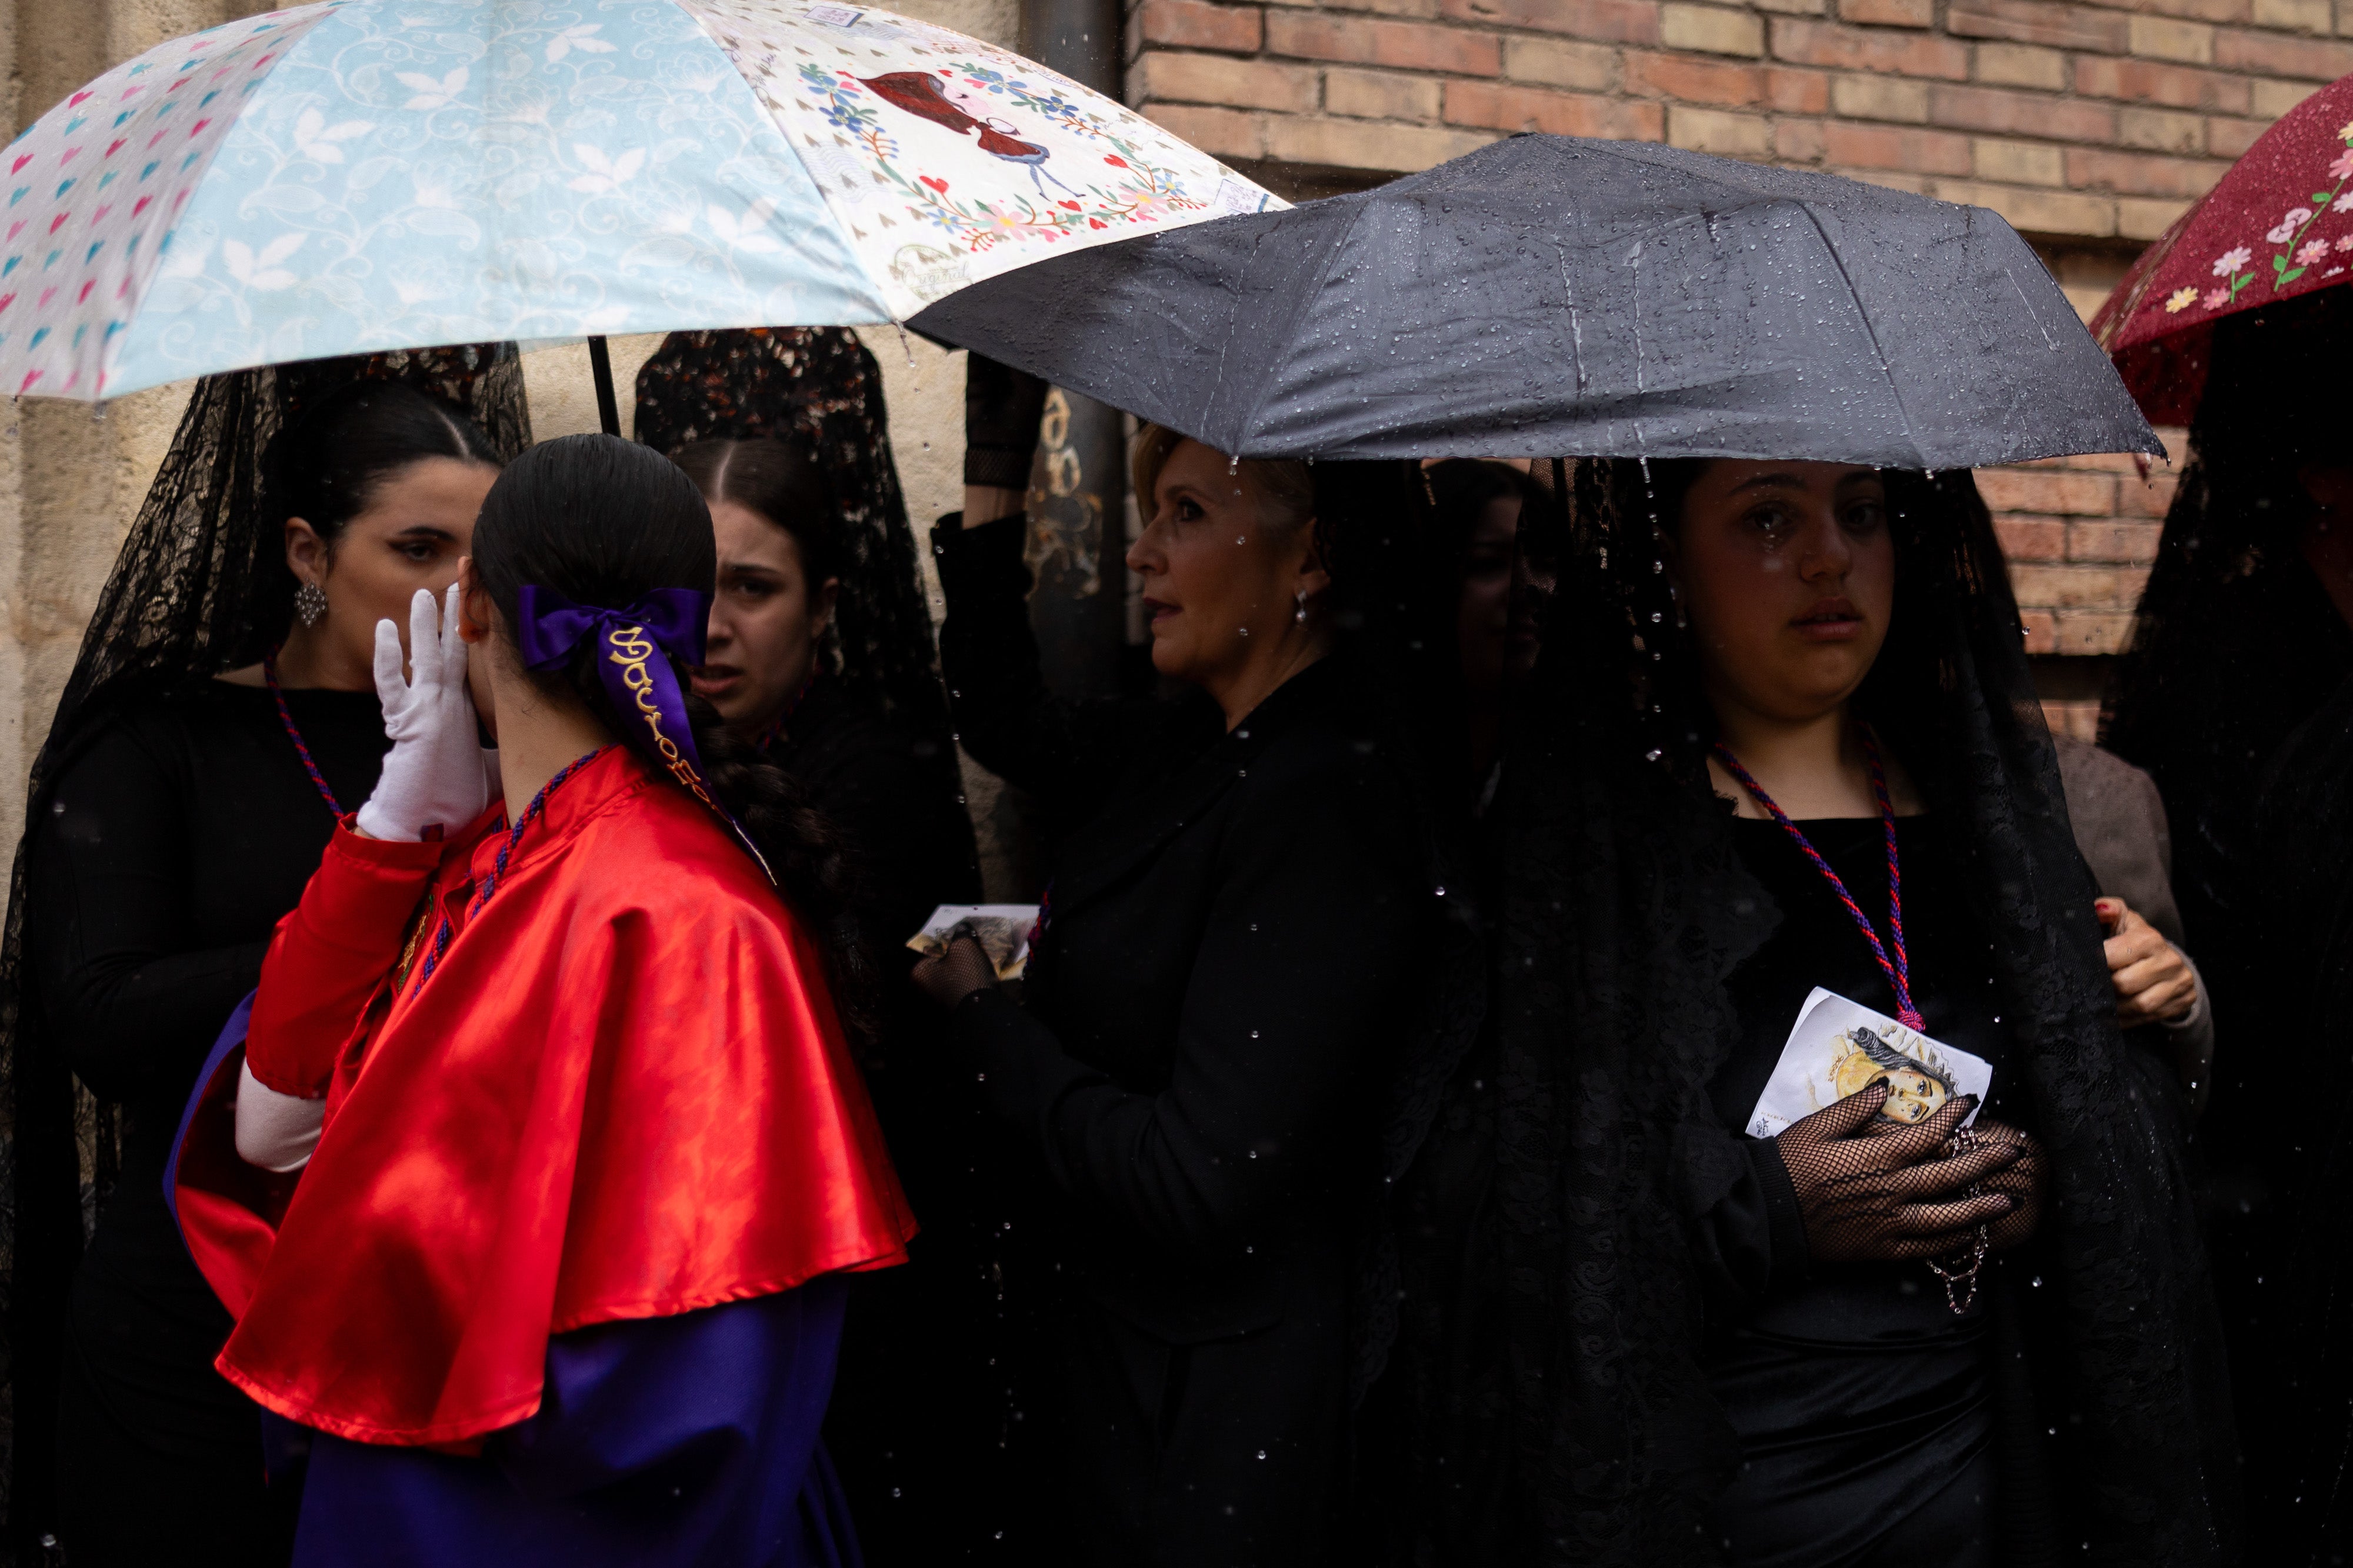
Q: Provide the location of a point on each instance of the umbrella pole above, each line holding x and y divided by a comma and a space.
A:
600, 364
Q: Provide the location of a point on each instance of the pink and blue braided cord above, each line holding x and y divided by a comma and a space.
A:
1898, 971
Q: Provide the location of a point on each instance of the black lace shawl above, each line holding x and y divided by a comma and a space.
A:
2300, 1474
1559, 1411
201, 585
818, 385
2235, 643
1396, 581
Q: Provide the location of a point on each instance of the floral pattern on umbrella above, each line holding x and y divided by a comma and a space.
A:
2296, 255
2279, 223
356, 176
912, 132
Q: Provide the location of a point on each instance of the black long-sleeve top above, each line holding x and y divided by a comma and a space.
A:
1752, 1246
174, 840
1865, 1406
1229, 940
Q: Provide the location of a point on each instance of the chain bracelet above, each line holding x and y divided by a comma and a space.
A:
1960, 1274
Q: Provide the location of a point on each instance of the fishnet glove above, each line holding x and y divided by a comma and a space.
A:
958, 970
1871, 1191
2026, 1181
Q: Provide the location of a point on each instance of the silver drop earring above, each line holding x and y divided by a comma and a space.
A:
310, 603
1301, 613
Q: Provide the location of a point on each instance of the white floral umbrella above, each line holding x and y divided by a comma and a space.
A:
368, 174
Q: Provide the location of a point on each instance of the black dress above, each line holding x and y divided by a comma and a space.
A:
915, 1426
1225, 974
177, 837
1566, 1370
1865, 1406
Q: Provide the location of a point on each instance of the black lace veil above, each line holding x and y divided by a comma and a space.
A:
201, 585
2235, 643
818, 385
2294, 1356
1553, 1315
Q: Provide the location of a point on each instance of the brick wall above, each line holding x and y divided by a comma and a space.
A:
2080, 533
2088, 126
2087, 123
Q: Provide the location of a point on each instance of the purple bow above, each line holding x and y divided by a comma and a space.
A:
635, 647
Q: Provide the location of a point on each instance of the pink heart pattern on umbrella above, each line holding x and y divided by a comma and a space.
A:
95, 185
364, 174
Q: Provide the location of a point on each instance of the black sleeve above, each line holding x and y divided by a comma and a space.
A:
107, 927
1002, 408
1747, 1235
1070, 754
1296, 984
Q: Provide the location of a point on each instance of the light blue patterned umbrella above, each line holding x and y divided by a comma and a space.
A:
368, 174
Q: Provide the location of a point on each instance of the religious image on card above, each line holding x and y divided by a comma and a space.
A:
1840, 1047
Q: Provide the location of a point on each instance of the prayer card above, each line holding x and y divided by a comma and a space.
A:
1002, 930
1840, 1047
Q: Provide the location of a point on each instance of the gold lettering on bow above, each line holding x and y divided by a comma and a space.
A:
633, 650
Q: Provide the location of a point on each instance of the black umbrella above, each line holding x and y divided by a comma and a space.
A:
1548, 296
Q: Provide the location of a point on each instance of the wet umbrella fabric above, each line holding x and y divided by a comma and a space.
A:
1548, 296
2278, 225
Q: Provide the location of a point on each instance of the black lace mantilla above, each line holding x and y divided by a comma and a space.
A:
1559, 1411
201, 585
818, 385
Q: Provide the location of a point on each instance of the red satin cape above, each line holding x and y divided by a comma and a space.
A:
622, 1093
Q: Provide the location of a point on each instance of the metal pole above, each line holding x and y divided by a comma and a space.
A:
1078, 489
1078, 38
600, 366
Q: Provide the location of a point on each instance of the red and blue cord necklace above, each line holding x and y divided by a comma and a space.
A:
1899, 970
531, 813
302, 748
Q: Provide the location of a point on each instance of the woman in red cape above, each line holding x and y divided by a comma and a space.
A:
560, 1280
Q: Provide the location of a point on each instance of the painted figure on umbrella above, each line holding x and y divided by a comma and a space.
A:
943, 103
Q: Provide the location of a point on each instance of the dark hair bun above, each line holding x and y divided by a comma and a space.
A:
603, 522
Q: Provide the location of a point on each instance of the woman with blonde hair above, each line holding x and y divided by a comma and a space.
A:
1229, 964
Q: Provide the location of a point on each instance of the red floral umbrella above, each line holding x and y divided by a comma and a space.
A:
2279, 223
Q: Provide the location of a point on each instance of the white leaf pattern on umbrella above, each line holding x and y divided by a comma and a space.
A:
315, 139
749, 232
261, 271
582, 38
432, 94
604, 174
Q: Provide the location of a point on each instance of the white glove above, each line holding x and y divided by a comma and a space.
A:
434, 773
275, 1131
